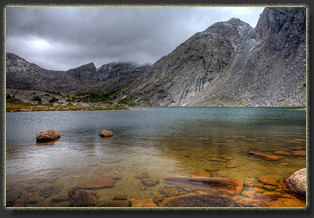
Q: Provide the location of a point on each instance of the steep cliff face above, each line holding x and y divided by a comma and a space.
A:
113, 70
232, 64
268, 69
85, 74
192, 65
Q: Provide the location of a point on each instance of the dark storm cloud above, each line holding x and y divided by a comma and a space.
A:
67, 37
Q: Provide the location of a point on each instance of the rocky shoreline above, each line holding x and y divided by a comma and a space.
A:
199, 189
192, 191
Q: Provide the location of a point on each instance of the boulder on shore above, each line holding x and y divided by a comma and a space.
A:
106, 133
47, 135
297, 182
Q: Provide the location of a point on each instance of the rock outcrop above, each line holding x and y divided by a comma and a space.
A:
113, 70
297, 182
47, 135
85, 74
106, 133
268, 68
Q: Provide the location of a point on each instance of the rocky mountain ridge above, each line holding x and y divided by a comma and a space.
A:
20, 74
228, 64
233, 64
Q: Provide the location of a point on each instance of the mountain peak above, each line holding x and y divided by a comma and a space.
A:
90, 67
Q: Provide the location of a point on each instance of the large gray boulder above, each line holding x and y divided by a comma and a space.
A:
297, 182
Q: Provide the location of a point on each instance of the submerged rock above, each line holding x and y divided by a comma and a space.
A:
59, 198
297, 182
106, 133
217, 159
120, 197
111, 161
169, 192
47, 135
97, 183
270, 187
212, 169
82, 198
198, 201
19, 203
268, 181
249, 193
282, 153
12, 195
116, 203
231, 166
149, 182
287, 202
299, 153
256, 201
282, 185
266, 156
62, 204
157, 198
34, 198
249, 184
215, 185
200, 174
142, 176
143, 203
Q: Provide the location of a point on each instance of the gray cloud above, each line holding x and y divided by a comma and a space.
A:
60, 38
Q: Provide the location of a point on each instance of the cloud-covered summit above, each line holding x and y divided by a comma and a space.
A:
60, 38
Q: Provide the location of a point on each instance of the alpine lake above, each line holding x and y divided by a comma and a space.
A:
156, 154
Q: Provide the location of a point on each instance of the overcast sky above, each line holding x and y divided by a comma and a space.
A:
60, 38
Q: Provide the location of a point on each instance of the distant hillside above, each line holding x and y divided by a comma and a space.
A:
24, 75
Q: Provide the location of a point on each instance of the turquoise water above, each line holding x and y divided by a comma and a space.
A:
163, 142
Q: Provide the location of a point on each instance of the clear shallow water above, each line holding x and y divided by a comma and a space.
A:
164, 142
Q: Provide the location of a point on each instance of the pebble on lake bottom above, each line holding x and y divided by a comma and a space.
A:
230, 166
